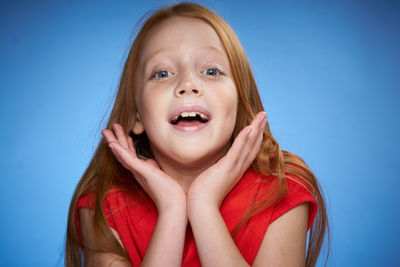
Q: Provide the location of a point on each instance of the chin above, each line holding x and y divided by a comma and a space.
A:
198, 156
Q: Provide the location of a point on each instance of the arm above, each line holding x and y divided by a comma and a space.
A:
284, 244
168, 239
167, 242
89, 240
213, 240
160, 252
285, 241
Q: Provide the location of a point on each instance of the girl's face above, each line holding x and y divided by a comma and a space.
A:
186, 97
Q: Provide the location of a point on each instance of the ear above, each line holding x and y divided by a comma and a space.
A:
138, 125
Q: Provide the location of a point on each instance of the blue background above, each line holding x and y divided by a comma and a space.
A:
328, 73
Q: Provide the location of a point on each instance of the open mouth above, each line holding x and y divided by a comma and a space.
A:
189, 118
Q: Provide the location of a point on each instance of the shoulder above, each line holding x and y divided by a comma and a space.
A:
116, 205
85, 208
118, 196
285, 242
87, 221
91, 244
112, 197
296, 192
130, 214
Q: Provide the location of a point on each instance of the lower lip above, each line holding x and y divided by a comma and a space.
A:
193, 127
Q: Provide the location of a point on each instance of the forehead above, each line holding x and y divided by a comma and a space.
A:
180, 33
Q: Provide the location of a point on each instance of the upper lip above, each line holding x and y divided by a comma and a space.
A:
189, 108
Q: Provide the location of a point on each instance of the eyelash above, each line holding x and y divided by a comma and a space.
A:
218, 69
153, 75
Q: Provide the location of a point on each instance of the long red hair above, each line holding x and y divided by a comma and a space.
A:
103, 168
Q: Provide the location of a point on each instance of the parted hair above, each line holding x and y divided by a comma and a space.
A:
103, 168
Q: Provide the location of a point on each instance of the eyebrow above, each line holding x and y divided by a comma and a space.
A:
207, 47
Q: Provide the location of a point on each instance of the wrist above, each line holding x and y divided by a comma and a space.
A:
202, 200
201, 207
174, 206
175, 217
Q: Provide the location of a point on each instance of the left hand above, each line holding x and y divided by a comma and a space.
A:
212, 185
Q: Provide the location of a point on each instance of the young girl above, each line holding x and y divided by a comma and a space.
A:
188, 172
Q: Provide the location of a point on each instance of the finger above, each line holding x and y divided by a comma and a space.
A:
124, 156
138, 167
128, 159
258, 125
115, 145
254, 148
242, 139
131, 145
238, 144
251, 148
256, 120
120, 134
259, 139
109, 136
113, 142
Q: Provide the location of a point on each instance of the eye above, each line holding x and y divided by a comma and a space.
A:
212, 72
162, 74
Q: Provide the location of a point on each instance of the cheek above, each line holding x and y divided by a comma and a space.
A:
226, 101
229, 100
152, 108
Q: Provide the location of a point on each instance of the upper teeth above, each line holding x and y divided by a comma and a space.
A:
186, 114
193, 114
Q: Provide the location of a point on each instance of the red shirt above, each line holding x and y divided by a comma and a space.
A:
135, 218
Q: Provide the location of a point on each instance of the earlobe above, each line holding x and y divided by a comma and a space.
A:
138, 126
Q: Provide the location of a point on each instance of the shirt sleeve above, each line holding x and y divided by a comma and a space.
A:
88, 201
298, 194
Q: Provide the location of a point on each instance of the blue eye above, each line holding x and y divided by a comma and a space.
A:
162, 74
212, 72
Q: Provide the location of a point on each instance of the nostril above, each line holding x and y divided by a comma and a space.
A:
181, 92
195, 91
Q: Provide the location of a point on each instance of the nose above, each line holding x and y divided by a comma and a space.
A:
188, 91
188, 87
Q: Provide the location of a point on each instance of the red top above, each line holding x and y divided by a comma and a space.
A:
135, 219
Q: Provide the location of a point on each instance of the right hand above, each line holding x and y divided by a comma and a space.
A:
162, 189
